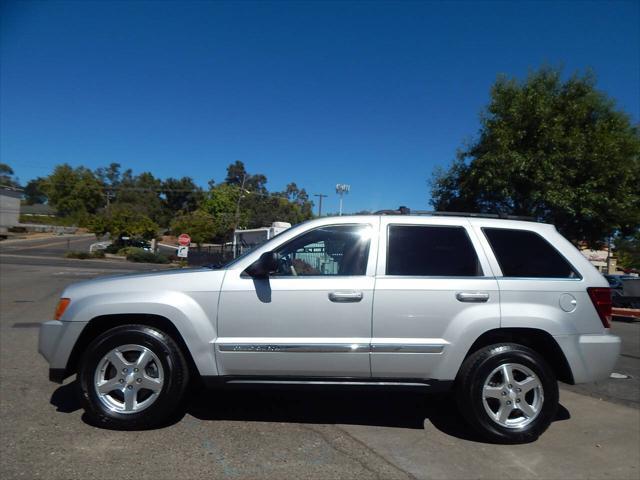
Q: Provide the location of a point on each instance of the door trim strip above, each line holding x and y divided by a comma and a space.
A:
406, 348
294, 348
330, 347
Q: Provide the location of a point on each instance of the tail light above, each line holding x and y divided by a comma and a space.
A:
601, 298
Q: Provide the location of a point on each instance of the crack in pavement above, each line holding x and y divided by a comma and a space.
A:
332, 443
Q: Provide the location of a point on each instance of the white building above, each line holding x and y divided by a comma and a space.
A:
9, 208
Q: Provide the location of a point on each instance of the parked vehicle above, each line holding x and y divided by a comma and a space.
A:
98, 246
137, 243
495, 311
615, 281
626, 291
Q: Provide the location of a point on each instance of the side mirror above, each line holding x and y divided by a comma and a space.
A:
266, 264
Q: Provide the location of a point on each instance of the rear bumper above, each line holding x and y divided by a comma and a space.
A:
55, 344
591, 357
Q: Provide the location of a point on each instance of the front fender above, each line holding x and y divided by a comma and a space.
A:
193, 314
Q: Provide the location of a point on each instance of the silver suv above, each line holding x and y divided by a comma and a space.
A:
495, 310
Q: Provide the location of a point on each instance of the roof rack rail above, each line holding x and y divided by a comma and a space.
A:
406, 211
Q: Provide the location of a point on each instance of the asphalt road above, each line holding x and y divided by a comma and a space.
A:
280, 433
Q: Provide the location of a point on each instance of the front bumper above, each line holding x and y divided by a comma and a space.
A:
591, 357
55, 344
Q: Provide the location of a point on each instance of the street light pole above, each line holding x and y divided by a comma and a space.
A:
341, 189
320, 197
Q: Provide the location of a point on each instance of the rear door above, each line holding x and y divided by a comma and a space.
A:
435, 294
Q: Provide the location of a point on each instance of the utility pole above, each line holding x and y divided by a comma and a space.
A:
238, 204
341, 189
609, 256
108, 194
320, 197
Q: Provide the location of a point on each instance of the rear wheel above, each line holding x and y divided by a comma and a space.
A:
132, 377
507, 393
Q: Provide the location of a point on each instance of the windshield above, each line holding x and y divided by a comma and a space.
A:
241, 256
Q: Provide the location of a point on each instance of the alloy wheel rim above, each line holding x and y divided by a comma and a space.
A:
129, 379
512, 395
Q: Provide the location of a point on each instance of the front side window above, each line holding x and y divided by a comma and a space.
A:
522, 253
333, 250
441, 251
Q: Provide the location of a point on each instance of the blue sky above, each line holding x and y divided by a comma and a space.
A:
374, 94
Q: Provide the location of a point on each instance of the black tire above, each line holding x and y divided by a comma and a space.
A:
175, 377
470, 398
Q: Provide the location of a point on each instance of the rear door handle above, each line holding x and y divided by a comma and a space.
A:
345, 297
474, 297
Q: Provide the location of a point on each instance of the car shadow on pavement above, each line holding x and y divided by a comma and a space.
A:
66, 398
347, 405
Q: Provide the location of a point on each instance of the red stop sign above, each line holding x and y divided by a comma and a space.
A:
184, 240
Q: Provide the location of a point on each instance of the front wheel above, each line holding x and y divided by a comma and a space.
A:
132, 377
507, 393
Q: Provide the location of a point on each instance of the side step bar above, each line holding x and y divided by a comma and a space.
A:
318, 382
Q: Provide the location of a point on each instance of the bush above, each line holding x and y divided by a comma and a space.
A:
113, 248
84, 255
139, 255
79, 255
125, 251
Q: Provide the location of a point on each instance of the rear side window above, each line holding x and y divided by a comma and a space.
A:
431, 251
522, 253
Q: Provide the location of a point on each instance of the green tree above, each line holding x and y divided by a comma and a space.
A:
142, 192
556, 150
628, 250
111, 175
123, 221
34, 191
236, 172
7, 178
181, 195
221, 202
199, 225
262, 211
74, 192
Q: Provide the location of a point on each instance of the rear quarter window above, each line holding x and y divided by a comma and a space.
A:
523, 253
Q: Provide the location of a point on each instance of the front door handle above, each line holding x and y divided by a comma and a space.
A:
345, 297
474, 297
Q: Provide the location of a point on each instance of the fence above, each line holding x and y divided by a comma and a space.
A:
213, 254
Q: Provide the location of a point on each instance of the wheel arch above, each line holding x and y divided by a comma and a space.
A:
538, 340
100, 324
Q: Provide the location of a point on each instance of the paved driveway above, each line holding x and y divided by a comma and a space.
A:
281, 433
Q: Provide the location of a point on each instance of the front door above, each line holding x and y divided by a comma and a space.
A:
310, 318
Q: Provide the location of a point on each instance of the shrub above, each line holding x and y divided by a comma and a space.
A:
114, 249
84, 255
125, 251
78, 255
139, 255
